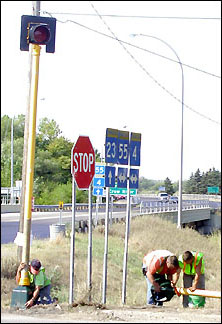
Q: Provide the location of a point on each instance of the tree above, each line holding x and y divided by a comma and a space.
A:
47, 132
198, 183
168, 186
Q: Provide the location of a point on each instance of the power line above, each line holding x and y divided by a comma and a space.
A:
131, 16
148, 72
140, 65
138, 47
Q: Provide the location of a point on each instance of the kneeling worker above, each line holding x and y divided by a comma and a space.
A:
157, 265
39, 283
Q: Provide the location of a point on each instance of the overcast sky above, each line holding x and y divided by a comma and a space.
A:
92, 82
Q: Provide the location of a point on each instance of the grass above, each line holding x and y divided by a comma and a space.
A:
146, 233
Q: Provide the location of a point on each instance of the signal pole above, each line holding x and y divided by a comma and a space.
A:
35, 50
36, 12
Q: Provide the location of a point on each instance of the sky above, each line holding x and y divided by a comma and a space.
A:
93, 81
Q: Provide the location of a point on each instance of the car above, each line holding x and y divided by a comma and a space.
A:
164, 197
119, 197
173, 200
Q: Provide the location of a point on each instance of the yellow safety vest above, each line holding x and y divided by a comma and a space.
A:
190, 269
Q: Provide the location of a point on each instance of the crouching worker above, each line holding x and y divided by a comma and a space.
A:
192, 265
158, 268
39, 283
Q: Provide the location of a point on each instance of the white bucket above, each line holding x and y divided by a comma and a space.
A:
55, 230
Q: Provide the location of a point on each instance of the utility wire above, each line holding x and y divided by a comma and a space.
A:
130, 16
138, 47
140, 65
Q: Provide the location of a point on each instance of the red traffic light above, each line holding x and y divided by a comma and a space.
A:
39, 34
38, 30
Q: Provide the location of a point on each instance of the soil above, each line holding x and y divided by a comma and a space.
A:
100, 314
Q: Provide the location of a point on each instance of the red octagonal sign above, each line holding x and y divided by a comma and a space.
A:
83, 162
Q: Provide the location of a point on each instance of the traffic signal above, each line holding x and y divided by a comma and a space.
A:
61, 205
38, 30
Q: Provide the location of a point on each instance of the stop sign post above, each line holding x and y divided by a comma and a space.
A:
83, 162
83, 170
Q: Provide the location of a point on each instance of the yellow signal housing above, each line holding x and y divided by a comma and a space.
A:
24, 280
61, 205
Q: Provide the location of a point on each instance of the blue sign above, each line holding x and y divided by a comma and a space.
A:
98, 191
134, 178
123, 147
98, 182
122, 178
111, 145
99, 169
135, 144
109, 176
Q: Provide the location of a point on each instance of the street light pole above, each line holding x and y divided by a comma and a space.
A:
179, 220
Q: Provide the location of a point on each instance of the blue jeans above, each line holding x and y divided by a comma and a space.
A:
150, 300
44, 296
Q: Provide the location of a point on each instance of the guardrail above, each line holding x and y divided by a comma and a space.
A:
158, 207
68, 207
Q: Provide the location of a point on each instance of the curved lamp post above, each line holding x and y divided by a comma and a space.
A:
181, 143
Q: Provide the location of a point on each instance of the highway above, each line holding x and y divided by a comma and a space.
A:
42, 220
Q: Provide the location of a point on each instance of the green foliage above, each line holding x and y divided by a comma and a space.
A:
168, 186
47, 132
52, 176
198, 183
149, 185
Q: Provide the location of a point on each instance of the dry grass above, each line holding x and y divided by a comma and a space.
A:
146, 233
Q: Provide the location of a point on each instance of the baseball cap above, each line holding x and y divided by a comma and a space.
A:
36, 264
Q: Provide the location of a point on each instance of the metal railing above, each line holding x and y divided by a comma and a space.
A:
158, 207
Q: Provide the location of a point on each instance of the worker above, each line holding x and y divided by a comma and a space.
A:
192, 264
39, 283
159, 265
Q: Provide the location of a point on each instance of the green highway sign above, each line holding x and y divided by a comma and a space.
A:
122, 191
213, 189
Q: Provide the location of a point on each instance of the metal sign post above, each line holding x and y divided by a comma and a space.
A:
90, 244
126, 242
83, 170
106, 246
72, 245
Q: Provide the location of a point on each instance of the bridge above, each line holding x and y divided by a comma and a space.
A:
196, 213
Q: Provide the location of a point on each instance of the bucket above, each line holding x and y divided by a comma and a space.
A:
197, 301
56, 230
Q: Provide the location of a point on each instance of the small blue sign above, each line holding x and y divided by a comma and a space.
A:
123, 147
99, 169
98, 182
135, 144
134, 178
111, 145
98, 191
122, 178
109, 176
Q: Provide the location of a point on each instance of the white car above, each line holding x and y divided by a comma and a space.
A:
163, 196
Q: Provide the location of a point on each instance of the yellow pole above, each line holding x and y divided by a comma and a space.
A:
35, 49
199, 292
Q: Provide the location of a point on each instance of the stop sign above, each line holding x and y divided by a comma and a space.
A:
83, 162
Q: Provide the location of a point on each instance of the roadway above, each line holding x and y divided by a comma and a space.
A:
42, 220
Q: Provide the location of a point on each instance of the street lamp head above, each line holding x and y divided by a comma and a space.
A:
133, 35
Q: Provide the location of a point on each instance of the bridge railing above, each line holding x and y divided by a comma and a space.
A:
158, 207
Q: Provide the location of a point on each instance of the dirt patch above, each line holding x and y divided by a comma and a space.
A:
124, 314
